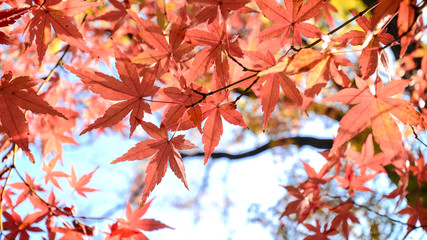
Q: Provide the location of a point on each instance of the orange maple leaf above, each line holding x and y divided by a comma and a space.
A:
369, 57
130, 91
133, 225
290, 19
162, 53
56, 13
217, 47
271, 84
214, 111
319, 66
12, 98
378, 109
163, 150
79, 184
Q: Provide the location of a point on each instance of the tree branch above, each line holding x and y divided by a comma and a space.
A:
297, 141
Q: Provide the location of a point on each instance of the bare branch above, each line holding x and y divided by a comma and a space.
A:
297, 141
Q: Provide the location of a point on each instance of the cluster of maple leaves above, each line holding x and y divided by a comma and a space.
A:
193, 61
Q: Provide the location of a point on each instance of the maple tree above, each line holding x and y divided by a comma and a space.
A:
181, 69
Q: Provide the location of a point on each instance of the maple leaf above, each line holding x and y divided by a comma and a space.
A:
351, 182
54, 131
51, 175
130, 91
163, 150
56, 13
384, 11
12, 98
119, 15
419, 169
344, 214
317, 178
26, 190
46, 209
368, 159
79, 185
16, 225
271, 84
9, 17
371, 42
307, 201
174, 112
214, 111
417, 213
164, 53
319, 66
320, 234
213, 7
290, 19
133, 225
325, 13
217, 47
405, 21
376, 108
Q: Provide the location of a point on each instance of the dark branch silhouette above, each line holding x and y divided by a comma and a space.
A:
297, 141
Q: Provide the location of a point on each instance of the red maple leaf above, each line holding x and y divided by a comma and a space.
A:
317, 178
405, 21
54, 132
163, 151
352, 183
12, 98
56, 13
344, 214
319, 66
217, 47
16, 225
9, 17
212, 8
290, 19
321, 232
26, 190
130, 91
417, 213
51, 174
271, 84
368, 159
133, 225
308, 200
376, 108
118, 15
80, 184
162, 53
214, 111
174, 112
371, 42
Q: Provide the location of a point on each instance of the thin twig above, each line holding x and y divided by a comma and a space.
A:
245, 69
246, 90
205, 95
369, 8
416, 136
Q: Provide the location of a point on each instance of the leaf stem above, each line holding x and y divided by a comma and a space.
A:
369, 8
205, 95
